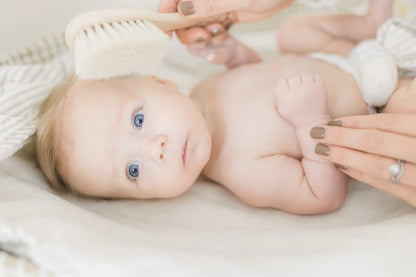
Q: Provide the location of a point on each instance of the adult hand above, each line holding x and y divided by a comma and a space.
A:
238, 11
368, 146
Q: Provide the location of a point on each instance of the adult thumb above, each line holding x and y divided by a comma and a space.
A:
204, 8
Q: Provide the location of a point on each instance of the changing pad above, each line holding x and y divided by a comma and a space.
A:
205, 232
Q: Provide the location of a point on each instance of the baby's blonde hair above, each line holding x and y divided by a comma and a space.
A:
48, 135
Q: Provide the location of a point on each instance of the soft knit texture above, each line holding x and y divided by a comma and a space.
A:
378, 61
26, 78
398, 38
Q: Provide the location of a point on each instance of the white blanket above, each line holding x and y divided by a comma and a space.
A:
205, 232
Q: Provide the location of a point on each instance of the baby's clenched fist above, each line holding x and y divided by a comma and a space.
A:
301, 99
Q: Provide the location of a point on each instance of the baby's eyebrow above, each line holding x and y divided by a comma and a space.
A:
121, 112
118, 165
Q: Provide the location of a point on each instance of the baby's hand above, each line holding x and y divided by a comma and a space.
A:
218, 50
224, 49
302, 99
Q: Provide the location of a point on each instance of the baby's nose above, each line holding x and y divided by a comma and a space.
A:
158, 148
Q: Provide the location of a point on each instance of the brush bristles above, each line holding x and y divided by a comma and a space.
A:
119, 48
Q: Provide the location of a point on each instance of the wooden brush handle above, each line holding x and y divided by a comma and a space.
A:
164, 21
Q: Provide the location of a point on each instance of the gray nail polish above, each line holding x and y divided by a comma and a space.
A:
322, 149
217, 31
317, 133
340, 166
337, 123
228, 24
187, 7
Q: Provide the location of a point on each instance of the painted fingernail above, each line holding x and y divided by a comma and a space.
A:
340, 166
217, 31
186, 7
228, 24
337, 123
317, 133
322, 149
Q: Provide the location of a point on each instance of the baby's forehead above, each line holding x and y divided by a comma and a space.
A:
90, 126
99, 86
97, 94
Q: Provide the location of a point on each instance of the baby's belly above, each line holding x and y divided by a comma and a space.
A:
244, 113
260, 131
247, 124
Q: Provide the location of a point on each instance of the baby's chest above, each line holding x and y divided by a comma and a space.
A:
248, 123
247, 129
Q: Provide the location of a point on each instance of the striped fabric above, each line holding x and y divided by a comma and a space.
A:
14, 266
15, 246
27, 75
398, 38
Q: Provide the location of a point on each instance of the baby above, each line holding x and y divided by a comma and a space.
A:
246, 128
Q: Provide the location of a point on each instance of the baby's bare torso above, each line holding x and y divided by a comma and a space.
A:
240, 109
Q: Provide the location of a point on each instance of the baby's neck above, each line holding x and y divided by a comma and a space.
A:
200, 105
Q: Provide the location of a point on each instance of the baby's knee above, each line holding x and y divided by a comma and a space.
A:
286, 37
291, 35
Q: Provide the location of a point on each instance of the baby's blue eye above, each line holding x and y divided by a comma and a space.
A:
133, 170
138, 119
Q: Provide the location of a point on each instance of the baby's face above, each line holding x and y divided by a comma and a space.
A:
132, 138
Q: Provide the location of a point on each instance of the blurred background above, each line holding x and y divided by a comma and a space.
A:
23, 21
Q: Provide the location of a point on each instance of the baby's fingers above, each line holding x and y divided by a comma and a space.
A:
214, 53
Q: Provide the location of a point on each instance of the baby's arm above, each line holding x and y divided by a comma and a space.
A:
225, 49
307, 186
302, 101
285, 183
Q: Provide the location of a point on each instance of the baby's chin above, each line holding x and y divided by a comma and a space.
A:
181, 189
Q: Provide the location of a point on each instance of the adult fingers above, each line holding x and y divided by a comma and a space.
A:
404, 192
168, 6
211, 33
217, 32
372, 141
193, 35
217, 51
204, 8
374, 166
403, 124
238, 10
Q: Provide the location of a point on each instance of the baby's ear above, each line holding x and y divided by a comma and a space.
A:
164, 81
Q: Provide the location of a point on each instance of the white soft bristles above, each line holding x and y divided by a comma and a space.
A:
119, 48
